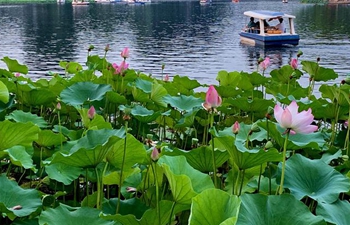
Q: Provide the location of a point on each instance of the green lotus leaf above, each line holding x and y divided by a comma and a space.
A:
336, 213
134, 152
16, 201
48, 138
187, 119
98, 122
83, 92
144, 115
116, 98
255, 78
139, 95
63, 172
282, 90
20, 157
71, 67
17, 134
132, 206
249, 105
151, 216
9, 104
185, 182
183, 102
206, 210
144, 85
283, 74
317, 72
201, 158
90, 150
26, 222
113, 177
297, 141
245, 158
157, 94
185, 85
24, 117
4, 93
313, 178
39, 97
61, 215
275, 210
14, 66
97, 63
335, 94
228, 79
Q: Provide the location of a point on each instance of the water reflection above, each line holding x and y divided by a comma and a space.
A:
189, 38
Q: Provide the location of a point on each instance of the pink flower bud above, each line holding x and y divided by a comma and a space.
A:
294, 63
91, 112
155, 154
17, 74
264, 64
58, 106
166, 78
212, 99
125, 53
236, 127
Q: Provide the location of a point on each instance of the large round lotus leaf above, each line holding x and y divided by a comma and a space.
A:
83, 92
206, 210
14, 66
63, 172
143, 114
23, 117
183, 102
39, 97
20, 157
313, 178
337, 212
4, 93
275, 210
16, 201
82, 216
17, 134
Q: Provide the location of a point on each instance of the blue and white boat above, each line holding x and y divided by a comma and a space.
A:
261, 33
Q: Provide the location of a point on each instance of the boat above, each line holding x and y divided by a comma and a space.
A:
76, 2
284, 1
264, 35
61, 1
107, 1
204, 1
138, 2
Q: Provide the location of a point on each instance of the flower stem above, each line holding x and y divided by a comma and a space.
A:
122, 168
154, 169
213, 151
242, 181
280, 189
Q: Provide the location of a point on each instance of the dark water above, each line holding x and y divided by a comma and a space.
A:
189, 38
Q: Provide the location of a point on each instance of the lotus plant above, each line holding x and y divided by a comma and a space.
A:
293, 122
125, 53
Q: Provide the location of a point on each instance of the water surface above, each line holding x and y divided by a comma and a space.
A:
190, 39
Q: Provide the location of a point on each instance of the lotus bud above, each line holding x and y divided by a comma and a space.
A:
194, 142
346, 80
91, 112
268, 145
345, 158
166, 78
125, 53
58, 106
254, 128
236, 127
318, 59
127, 112
91, 47
300, 53
260, 60
17, 74
155, 154
163, 66
131, 189
107, 48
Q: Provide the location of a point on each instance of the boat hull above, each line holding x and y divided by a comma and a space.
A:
269, 40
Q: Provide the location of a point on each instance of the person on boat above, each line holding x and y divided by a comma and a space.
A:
280, 26
251, 23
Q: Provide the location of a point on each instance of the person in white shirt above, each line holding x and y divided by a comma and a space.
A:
280, 26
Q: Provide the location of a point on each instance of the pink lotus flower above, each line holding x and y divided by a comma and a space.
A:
125, 53
236, 127
294, 63
166, 78
91, 112
264, 64
155, 154
17, 74
212, 99
293, 121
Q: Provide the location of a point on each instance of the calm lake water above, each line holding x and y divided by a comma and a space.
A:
190, 39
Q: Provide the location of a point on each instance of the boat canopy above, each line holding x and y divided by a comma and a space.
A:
266, 14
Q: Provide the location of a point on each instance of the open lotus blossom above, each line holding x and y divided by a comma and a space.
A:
265, 63
212, 99
121, 68
91, 112
290, 119
294, 63
125, 53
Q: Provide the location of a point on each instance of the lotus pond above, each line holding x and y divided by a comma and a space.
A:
103, 144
